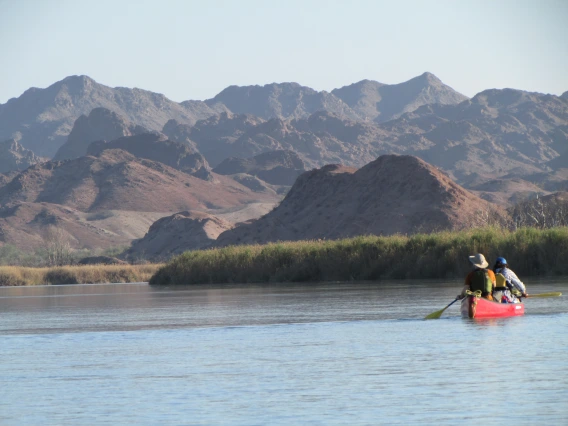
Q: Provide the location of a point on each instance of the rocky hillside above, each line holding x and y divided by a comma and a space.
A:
507, 192
41, 119
157, 147
393, 194
100, 124
322, 138
116, 180
175, 234
274, 167
495, 133
214, 136
25, 225
372, 100
109, 200
14, 157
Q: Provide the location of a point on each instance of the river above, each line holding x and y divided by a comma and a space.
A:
321, 354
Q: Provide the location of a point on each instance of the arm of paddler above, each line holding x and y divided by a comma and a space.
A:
512, 277
466, 287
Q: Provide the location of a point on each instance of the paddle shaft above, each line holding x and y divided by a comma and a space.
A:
553, 294
438, 314
455, 300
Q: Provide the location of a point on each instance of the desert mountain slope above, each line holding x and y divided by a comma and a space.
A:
100, 124
177, 233
393, 194
14, 156
116, 180
493, 134
559, 162
157, 147
283, 100
24, 225
41, 119
213, 136
322, 138
383, 102
506, 192
274, 167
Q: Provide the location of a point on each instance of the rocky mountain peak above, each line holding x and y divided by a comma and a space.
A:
384, 102
14, 157
428, 77
43, 118
100, 124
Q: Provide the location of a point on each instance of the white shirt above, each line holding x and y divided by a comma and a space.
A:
512, 278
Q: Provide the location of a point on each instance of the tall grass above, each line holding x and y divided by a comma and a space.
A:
439, 255
87, 274
39, 257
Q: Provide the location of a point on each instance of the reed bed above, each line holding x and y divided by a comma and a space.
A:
529, 251
85, 274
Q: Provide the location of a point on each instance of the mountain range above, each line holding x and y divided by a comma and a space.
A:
496, 134
41, 119
123, 158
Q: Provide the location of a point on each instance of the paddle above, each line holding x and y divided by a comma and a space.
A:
553, 294
438, 314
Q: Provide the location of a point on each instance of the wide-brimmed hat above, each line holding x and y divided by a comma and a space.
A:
479, 260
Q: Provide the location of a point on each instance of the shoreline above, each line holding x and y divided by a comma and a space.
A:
13, 276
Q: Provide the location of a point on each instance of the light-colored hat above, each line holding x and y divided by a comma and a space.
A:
479, 261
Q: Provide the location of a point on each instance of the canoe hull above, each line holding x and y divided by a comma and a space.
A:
473, 307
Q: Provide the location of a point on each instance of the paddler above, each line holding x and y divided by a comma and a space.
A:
480, 278
507, 283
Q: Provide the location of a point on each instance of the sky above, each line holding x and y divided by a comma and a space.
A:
190, 49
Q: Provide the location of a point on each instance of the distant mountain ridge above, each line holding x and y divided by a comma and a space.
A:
41, 119
497, 134
383, 102
365, 100
283, 100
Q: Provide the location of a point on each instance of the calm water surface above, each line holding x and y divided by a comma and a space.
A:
320, 354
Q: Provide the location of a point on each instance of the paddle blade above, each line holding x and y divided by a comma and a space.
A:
552, 294
436, 315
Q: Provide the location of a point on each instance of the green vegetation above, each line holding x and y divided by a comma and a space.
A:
529, 251
50, 255
87, 274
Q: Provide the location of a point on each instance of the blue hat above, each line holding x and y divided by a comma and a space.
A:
501, 261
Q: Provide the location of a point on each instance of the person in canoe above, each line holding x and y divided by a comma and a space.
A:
507, 283
480, 278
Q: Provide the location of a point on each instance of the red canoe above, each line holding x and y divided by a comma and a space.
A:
478, 307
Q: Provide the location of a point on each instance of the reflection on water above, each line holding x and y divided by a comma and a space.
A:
318, 354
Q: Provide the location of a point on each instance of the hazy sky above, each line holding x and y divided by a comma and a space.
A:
189, 49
